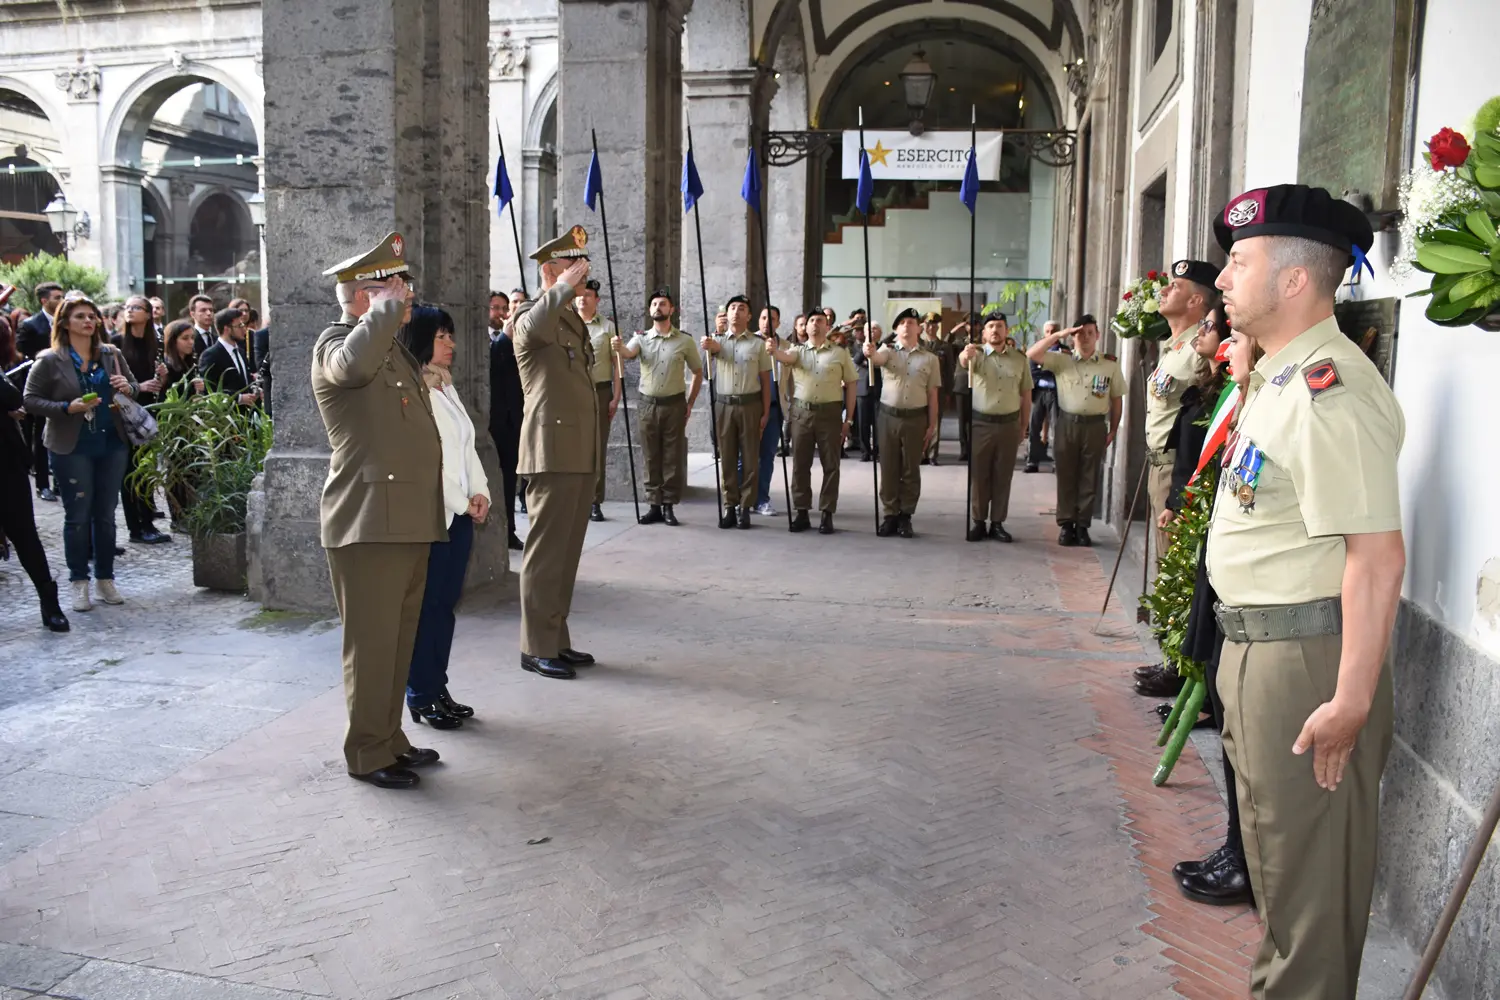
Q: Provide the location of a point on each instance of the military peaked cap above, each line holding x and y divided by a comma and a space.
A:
387, 258
571, 244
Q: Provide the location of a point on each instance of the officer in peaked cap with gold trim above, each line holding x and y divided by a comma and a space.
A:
1306, 554
382, 504
559, 453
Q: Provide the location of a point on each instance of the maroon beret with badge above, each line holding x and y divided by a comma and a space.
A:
1295, 210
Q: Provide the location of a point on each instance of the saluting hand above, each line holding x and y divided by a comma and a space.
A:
576, 274
1330, 731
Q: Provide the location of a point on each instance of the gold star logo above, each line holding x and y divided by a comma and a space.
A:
878, 154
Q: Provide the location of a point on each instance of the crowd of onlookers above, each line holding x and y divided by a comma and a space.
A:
75, 374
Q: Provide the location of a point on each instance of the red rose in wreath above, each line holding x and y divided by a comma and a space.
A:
1129, 296
1151, 275
1447, 149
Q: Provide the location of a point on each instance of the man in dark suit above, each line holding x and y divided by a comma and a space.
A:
33, 337
201, 312
223, 366
506, 407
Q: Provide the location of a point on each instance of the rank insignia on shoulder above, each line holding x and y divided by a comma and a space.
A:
1286, 373
1110, 357
1321, 376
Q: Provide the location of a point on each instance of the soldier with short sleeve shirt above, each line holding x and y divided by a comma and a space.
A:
1306, 553
1089, 388
1000, 379
908, 420
605, 374
742, 381
824, 379
666, 402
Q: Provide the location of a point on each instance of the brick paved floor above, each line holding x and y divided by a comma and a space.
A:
806, 767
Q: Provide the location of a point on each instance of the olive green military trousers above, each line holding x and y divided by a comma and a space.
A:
822, 428
664, 443
1158, 489
378, 589
1311, 852
1077, 452
606, 392
558, 506
992, 457
739, 450
900, 460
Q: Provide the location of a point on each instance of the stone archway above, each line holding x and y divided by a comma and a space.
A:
29, 144
539, 168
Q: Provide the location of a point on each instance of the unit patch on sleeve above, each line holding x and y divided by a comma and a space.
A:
1321, 376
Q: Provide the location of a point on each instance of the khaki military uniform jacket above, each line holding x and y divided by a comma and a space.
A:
998, 379
385, 476
559, 430
1179, 369
1085, 386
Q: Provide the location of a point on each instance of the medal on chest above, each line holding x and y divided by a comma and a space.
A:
1099, 385
1162, 384
1244, 476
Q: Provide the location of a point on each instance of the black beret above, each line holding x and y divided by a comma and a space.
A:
663, 293
992, 311
1294, 210
1200, 271
737, 298
906, 314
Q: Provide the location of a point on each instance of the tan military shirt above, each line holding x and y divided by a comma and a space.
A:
1179, 368
820, 372
1312, 459
737, 366
662, 359
600, 333
1085, 385
907, 375
998, 379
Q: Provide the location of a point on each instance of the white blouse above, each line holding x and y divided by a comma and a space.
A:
463, 477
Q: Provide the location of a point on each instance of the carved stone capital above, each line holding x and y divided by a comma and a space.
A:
507, 57
80, 83
180, 187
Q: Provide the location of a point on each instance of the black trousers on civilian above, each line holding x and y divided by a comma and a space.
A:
1043, 410
137, 508
18, 522
39, 462
865, 408
508, 444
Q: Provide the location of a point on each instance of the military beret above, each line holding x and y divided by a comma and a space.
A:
662, 293
1310, 213
571, 244
388, 257
992, 311
933, 317
906, 314
1199, 271
736, 298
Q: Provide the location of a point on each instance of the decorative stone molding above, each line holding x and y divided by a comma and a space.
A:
80, 83
181, 187
508, 55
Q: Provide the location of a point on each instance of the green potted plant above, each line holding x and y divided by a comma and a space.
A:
1450, 210
205, 457
1139, 314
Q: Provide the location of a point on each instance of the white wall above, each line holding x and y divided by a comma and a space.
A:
1278, 38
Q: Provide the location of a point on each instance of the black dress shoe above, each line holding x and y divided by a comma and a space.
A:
977, 532
547, 667
903, 526
1141, 673
925, 461
1227, 884
596, 513
1030, 467
1184, 868
800, 523
1067, 535
998, 532
1083, 536
434, 715
417, 757
514, 542
887, 527
743, 518
729, 518
575, 658
454, 708
150, 537
669, 515
45, 493
1162, 685
394, 776
653, 515
825, 527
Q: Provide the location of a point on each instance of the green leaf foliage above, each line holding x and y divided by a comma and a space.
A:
1171, 599
1442, 258
41, 268
1481, 225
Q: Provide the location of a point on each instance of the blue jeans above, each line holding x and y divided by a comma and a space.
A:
89, 486
446, 565
770, 438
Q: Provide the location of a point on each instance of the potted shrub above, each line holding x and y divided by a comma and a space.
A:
205, 457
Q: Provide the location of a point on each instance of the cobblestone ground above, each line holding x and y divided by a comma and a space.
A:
839, 767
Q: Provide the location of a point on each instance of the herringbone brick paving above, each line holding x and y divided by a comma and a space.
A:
806, 767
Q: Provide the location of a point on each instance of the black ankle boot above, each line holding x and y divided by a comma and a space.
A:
446, 703
52, 612
432, 714
800, 523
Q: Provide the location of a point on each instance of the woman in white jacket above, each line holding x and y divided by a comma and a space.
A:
429, 337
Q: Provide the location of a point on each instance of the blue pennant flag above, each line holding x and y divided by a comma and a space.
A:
968, 191
503, 189
750, 188
593, 187
692, 185
866, 189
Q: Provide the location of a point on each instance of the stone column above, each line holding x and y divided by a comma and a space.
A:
621, 67
786, 188
122, 209
376, 119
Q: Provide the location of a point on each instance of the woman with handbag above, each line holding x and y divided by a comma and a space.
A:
76, 385
142, 351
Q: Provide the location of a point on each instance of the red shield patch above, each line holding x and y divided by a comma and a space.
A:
1321, 376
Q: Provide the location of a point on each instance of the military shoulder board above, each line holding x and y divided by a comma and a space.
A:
1321, 376
1110, 357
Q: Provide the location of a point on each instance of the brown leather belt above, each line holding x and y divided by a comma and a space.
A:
803, 404
742, 399
910, 411
995, 418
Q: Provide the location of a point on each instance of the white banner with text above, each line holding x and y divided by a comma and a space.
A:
931, 156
